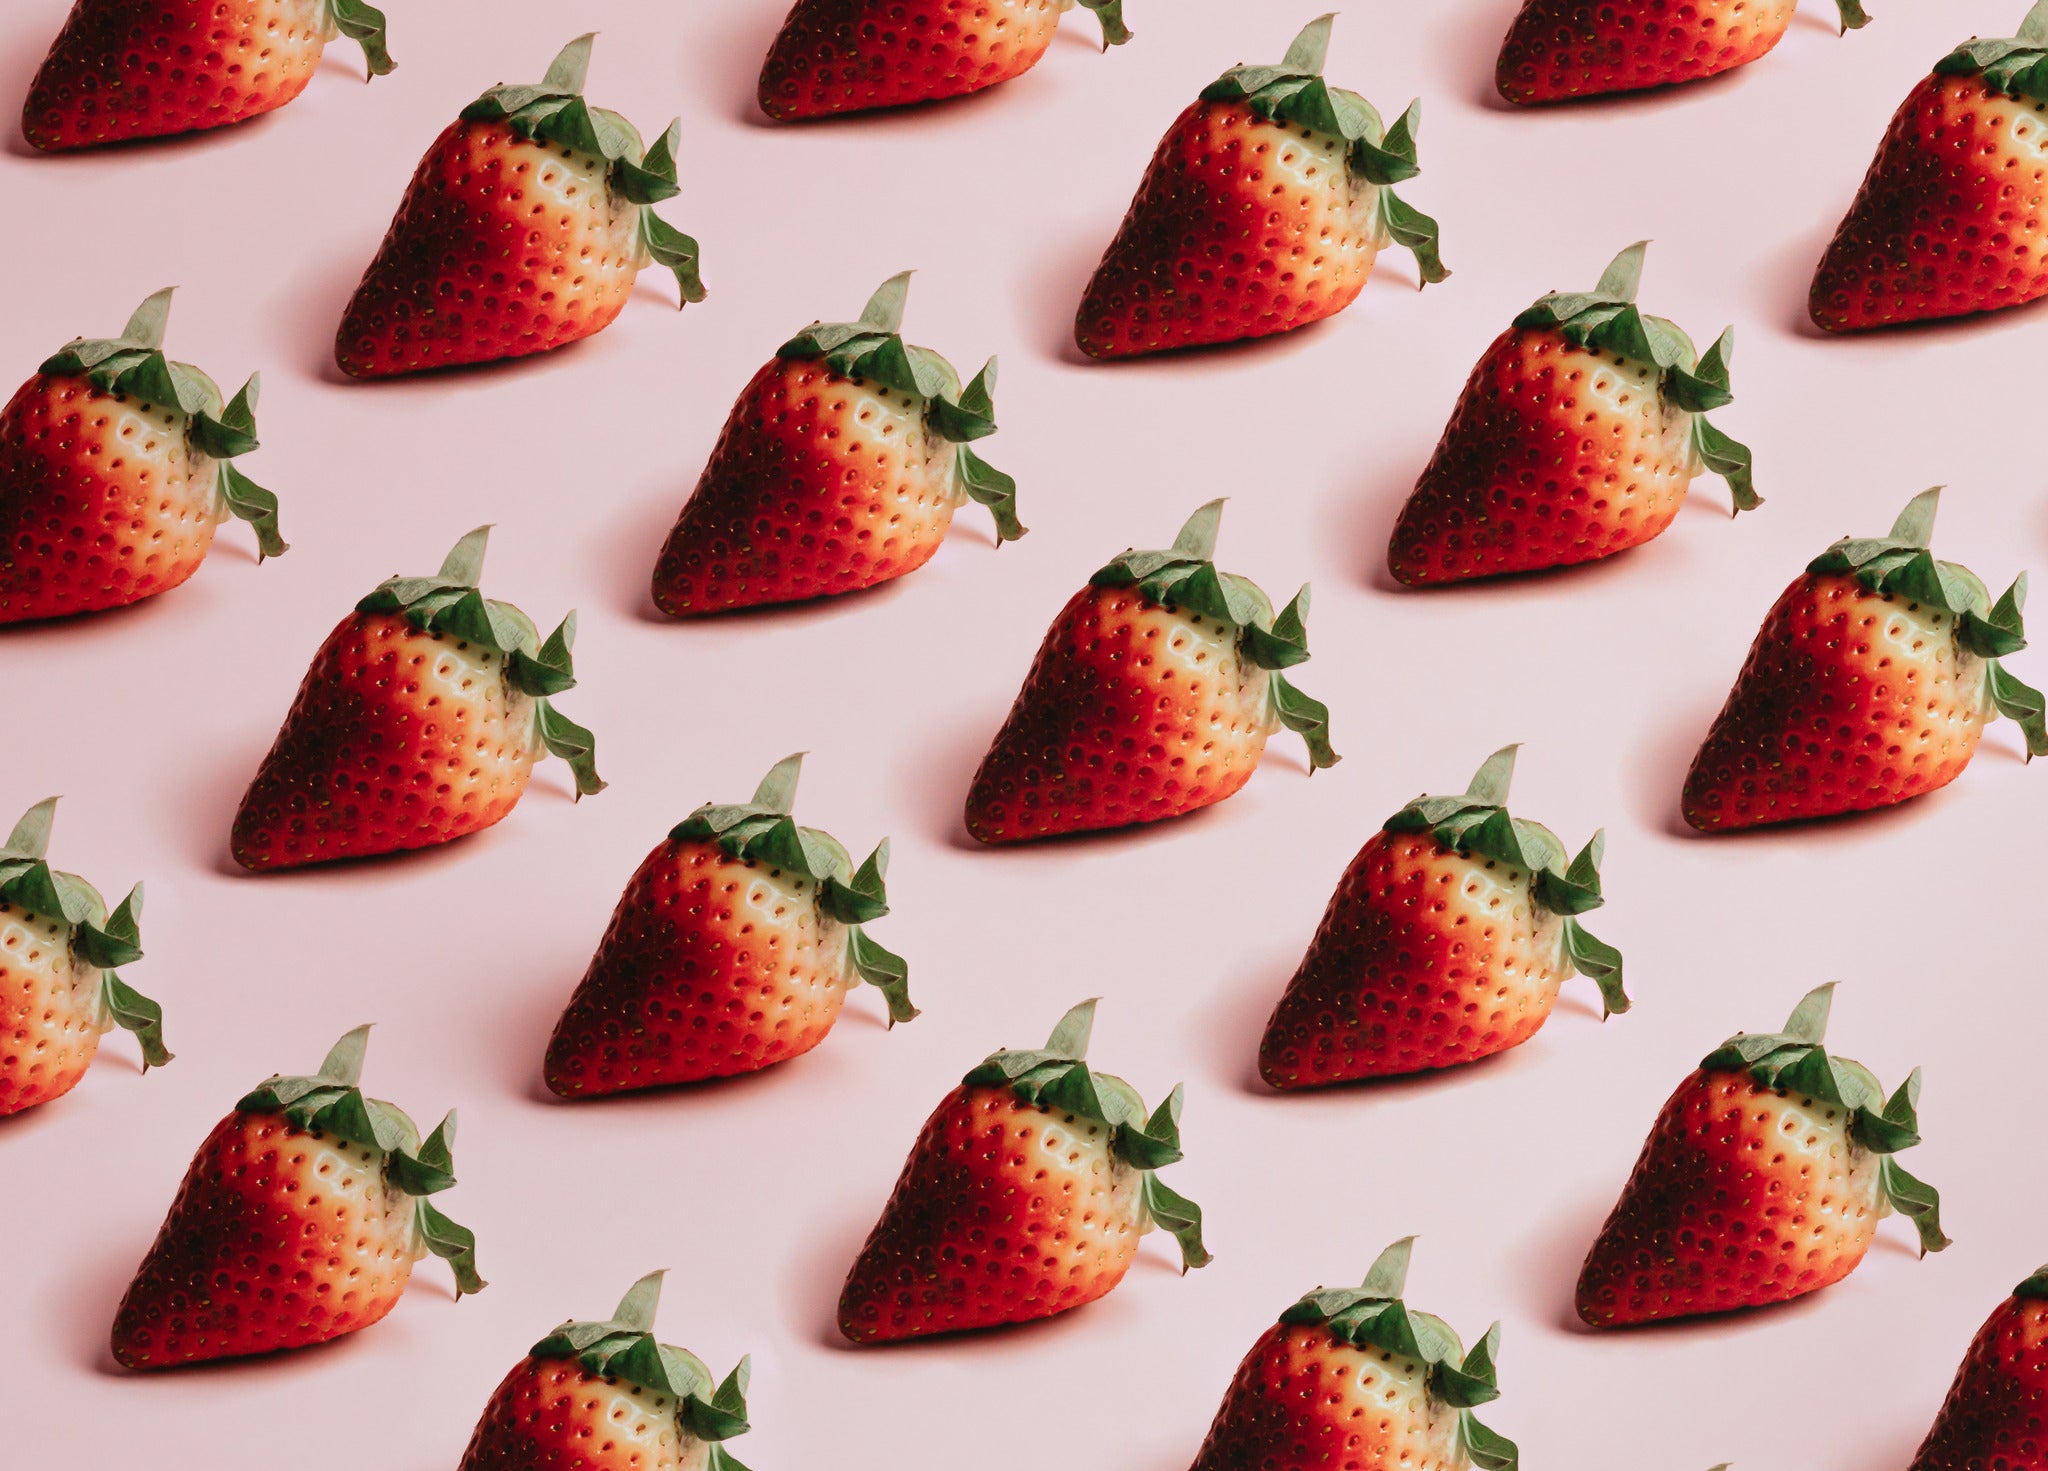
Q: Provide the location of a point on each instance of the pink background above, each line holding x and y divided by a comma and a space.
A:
756, 1194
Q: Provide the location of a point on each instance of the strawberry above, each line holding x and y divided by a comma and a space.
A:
839, 468
1446, 941
1763, 1180
835, 56
1994, 1419
59, 990
122, 69
1870, 684
731, 950
116, 467
1577, 436
1352, 1378
1561, 50
608, 1397
298, 1221
1152, 696
1263, 210
418, 723
1024, 1196
524, 228
1951, 217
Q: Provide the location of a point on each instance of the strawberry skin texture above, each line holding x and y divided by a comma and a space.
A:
104, 501
124, 69
1994, 1419
835, 56
1243, 227
1556, 454
1005, 1212
398, 739
712, 966
1849, 700
552, 1413
502, 247
280, 1237
1560, 49
819, 484
50, 1022
1303, 1400
1132, 712
1952, 217
1742, 1196
1426, 958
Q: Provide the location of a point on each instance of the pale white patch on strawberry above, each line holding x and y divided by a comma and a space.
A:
1816, 1136
1398, 1387
1205, 652
1315, 163
34, 944
641, 1425
1629, 391
185, 481
815, 946
1069, 1145
576, 185
2026, 128
1957, 693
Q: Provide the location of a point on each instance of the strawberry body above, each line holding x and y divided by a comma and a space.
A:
279, 1237
1993, 1419
834, 56
1952, 217
1850, 699
1557, 50
1556, 454
398, 738
552, 1412
502, 247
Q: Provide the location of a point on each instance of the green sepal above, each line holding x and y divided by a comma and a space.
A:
1110, 13
574, 743
1294, 91
969, 417
1854, 17
1057, 1077
2035, 1286
453, 1243
1373, 1316
674, 251
364, 24
2016, 65
1914, 1199
762, 831
129, 1009
1307, 717
1489, 1450
624, 1347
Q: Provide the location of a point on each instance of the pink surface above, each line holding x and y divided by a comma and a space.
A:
756, 1194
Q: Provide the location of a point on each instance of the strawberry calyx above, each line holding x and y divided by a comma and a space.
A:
1607, 319
2014, 65
365, 25
1110, 15
449, 603
1477, 824
2035, 1286
1295, 92
102, 940
873, 349
329, 1102
1057, 1077
134, 365
1794, 1061
1184, 577
762, 831
1900, 564
1373, 1316
624, 1347
554, 111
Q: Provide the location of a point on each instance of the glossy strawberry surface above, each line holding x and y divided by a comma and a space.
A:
834, 56
1560, 49
49, 1010
1996, 1415
552, 1413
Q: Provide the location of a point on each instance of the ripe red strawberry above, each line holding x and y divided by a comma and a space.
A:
1951, 217
1025, 1195
418, 723
1559, 50
1870, 683
59, 990
834, 56
1994, 1418
840, 467
731, 950
1351, 1378
1577, 436
1447, 941
1153, 695
608, 1397
1263, 210
122, 69
116, 467
524, 228
299, 1221
1763, 1180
